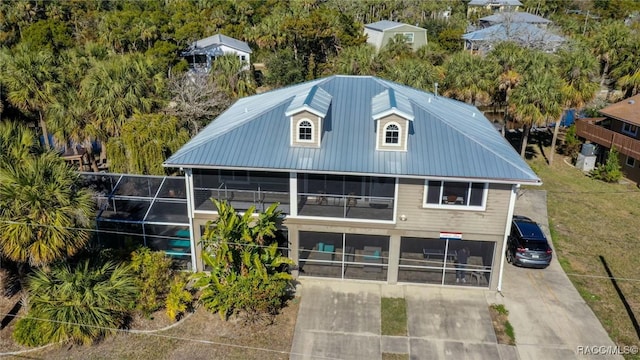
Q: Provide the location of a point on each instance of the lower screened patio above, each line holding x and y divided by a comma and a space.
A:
421, 260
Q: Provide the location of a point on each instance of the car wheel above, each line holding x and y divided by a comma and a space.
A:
509, 257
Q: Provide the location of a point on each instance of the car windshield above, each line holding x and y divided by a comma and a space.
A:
535, 245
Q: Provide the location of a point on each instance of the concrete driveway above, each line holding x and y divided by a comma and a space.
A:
550, 319
341, 320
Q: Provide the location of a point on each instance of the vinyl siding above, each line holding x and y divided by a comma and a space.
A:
487, 224
317, 129
404, 129
419, 36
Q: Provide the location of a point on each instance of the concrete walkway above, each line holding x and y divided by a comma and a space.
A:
341, 319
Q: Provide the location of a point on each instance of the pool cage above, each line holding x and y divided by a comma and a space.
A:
143, 210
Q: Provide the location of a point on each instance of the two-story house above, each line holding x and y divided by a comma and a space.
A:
618, 127
377, 181
203, 52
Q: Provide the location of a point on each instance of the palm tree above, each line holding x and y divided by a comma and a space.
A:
577, 69
31, 80
415, 73
44, 213
116, 88
467, 77
17, 142
231, 76
608, 42
536, 101
356, 60
78, 303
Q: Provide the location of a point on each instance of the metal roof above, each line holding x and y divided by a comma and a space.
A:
217, 40
515, 17
315, 100
388, 102
495, 2
447, 138
383, 25
523, 33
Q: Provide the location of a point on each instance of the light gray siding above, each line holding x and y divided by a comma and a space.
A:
419, 35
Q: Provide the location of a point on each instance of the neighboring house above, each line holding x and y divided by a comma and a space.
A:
514, 17
379, 33
525, 34
492, 6
617, 128
376, 180
202, 53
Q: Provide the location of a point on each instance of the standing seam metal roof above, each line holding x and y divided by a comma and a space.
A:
448, 138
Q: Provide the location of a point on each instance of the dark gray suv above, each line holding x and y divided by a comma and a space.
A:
527, 246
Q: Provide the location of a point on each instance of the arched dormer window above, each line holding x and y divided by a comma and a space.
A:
305, 130
392, 134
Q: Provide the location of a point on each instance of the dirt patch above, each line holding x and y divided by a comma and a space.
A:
202, 335
501, 326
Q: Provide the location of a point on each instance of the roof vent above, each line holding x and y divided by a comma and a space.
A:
632, 102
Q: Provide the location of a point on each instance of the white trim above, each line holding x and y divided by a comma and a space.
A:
188, 175
413, 35
400, 176
326, 218
306, 108
507, 232
463, 207
393, 111
298, 139
293, 193
395, 201
399, 131
633, 161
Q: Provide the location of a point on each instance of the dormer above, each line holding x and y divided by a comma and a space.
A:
393, 115
306, 114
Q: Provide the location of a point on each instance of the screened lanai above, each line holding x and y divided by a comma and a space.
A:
142, 210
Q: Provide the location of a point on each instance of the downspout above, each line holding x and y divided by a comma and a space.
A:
507, 232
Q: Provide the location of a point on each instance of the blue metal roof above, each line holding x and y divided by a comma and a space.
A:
448, 138
524, 33
515, 17
388, 102
315, 100
499, 2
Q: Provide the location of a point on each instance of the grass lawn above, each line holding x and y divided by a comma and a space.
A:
596, 226
394, 316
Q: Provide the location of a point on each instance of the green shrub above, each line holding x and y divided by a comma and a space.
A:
571, 145
153, 275
30, 332
252, 296
76, 303
610, 171
179, 299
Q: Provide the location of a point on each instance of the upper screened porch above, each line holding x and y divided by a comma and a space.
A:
303, 195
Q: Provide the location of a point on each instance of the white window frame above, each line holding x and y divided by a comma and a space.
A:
631, 163
386, 127
408, 37
298, 133
481, 207
629, 129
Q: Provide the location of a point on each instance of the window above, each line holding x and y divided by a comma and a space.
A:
408, 37
454, 193
243, 58
631, 162
305, 130
629, 129
392, 134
